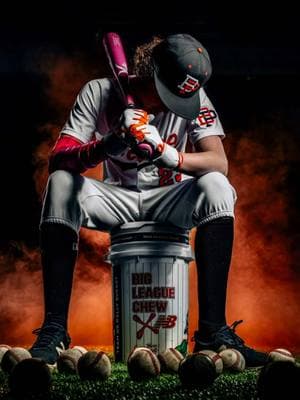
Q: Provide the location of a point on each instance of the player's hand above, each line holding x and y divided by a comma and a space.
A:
164, 155
131, 121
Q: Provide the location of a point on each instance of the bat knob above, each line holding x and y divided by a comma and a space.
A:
146, 149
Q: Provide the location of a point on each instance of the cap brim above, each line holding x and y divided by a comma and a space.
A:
185, 107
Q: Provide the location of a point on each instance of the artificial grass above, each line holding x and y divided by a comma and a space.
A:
228, 386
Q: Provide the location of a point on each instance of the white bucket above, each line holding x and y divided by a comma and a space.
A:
150, 287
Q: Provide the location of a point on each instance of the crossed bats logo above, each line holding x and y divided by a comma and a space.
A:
162, 321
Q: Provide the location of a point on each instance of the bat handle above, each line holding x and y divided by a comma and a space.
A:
129, 101
145, 149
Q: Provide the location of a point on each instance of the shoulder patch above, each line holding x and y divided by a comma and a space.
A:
206, 117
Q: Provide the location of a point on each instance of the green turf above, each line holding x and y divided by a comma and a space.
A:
228, 386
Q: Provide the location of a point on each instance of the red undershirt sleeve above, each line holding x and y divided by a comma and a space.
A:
72, 155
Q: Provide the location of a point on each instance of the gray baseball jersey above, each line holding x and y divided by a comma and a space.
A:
96, 111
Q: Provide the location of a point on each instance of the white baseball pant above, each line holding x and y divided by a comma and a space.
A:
76, 201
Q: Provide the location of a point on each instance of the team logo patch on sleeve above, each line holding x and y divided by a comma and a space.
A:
206, 117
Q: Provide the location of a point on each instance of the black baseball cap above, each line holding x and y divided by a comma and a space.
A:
181, 67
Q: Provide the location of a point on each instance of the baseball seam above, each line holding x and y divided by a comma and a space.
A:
154, 360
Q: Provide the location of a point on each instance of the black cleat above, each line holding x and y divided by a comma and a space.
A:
52, 340
226, 338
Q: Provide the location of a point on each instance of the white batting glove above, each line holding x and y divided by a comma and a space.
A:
131, 120
164, 155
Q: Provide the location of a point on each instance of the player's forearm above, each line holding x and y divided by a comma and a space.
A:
200, 163
72, 155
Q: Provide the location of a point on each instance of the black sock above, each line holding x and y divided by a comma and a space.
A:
59, 245
213, 248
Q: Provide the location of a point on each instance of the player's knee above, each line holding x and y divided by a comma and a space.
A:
63, 185
61, 201
217, 191
61, 179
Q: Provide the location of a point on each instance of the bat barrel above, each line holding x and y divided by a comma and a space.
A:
115, 50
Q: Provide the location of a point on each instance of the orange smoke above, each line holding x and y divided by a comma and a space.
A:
264, 281
20, 294
91, 308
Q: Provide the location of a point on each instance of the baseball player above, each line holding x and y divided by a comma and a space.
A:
171, 186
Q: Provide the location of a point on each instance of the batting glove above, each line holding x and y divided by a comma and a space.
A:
164, 155
131, 121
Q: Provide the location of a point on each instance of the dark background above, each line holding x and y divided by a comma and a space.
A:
255, 56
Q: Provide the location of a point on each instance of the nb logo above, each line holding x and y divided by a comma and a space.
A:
165, 321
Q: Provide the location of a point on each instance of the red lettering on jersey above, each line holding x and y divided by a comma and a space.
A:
178, 177
167, 178
172, 139
132, 156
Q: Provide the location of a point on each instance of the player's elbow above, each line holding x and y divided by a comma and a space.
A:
220, 164
224, 166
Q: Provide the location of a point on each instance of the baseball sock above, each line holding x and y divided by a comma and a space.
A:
59, 245
213, 248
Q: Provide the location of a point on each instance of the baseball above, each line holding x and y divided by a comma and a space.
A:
142, 364
197, 370
281, 355
278, 380
170, 360
216, 358
80, 349
233, 360
30, 376
3, 350
94, 365
12, 357
68, 360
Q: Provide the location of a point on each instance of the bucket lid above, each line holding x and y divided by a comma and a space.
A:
149, 231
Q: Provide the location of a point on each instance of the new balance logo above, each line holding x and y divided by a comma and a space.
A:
165, 321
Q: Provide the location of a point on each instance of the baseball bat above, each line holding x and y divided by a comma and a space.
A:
116, 56
118, 63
